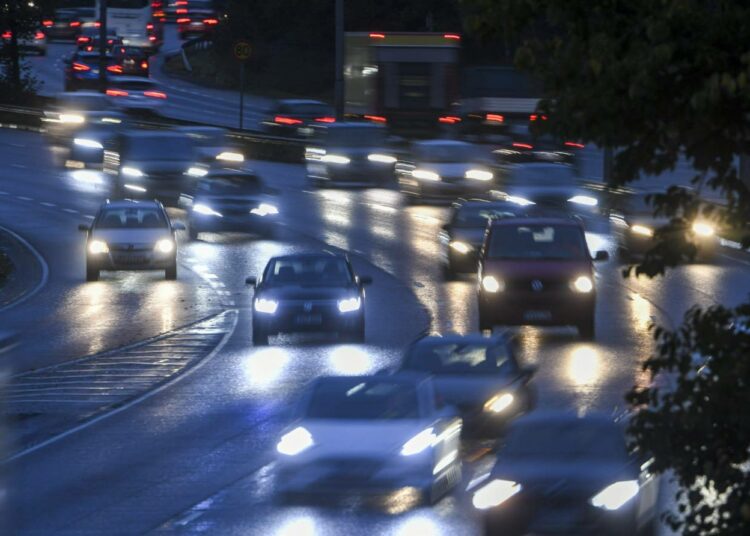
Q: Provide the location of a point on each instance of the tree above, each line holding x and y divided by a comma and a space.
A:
660, 79
19, 19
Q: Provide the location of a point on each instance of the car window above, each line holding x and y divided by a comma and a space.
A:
309, 271
131, 218
238, 185
135, 85
565, 441
355, 137
367, 400
477, 215
160, 148
446, 153
548, 175
457, 358
560, 242
305, 108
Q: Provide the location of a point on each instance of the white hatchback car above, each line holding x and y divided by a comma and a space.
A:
131, 235
136, 93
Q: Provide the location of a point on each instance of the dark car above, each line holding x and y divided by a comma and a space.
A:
634, 225
548, 186
563, 474
523, 146
99, 132
34, 41
89, 40
233, 200
343, 153
70, 113
82, 70
478, 375
462, 237
295, 118
65, 24
537, 271
309, 292
215, 145
198, 19
154, 164
133, 61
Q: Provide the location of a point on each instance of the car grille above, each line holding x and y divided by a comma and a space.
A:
308, 306
131, 247
529, 284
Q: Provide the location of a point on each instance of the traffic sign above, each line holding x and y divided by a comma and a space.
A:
242, 50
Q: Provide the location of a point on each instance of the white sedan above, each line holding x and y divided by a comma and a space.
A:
136, 93
372, 434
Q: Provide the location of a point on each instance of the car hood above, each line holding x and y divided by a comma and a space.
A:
161, 166
449, 169
470, 235
345, 438
355, 152
130, 236
547, 194
305, 292
468, 389
542, 269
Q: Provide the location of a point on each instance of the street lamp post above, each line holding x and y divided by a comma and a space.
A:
339, 85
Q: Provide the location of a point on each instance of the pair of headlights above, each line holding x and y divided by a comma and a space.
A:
348, 305
473, 174
264, 209
134, 172
582, 284
700, 228
344, 160
100, 247
497, 491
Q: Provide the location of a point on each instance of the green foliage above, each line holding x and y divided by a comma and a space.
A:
17, 84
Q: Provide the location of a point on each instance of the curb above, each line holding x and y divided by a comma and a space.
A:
30, 274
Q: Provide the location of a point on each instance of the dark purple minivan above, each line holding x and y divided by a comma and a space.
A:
537, 271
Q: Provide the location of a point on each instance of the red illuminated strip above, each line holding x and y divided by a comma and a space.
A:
522, 145
376, 118
449, 119
377, 36
325, 119
183, 21
117, 93
155, 94
81, 67
497, 118
455, 37
287, 120
574, 144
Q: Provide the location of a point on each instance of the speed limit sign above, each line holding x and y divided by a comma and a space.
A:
242, 50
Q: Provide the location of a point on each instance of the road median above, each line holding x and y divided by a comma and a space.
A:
23, 271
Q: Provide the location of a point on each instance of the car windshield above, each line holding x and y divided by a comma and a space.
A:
477, 215
175, 148
460, 358
306, 108
562, 242
363, 400
356, 137
237, 185
550, 441
309, 271
547, 174
84, 102
131, 218
446, 153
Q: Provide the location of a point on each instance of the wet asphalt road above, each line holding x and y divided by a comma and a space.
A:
196, 456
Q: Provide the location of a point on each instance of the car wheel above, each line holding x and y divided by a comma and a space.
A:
92, 274
587, 329
171, 272
260, 337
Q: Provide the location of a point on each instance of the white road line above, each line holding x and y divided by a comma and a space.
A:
70, 211
735, 259
3, 193
46, 204
42, 263
24, 198
19, 166
88, 216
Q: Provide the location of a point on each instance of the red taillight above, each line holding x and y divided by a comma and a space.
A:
450, 119
152, 38
117, 93
81, 67
495, 118
7, 35
181, 3
159, 14
181, 11
117, 69
325, 119
75, 24
211, 22
574, 144
183, 21
144, 64
149, 26
97, 24
455, 37
534, 117
377, 36
155, 94
376, 118
39, 35
89, 48
83, 39
287, 120
48, 23
522, 145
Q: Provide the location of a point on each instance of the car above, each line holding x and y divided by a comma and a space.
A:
350, 152
444, 169
153, 164
372, 434
537, 271
35, 41
295, 118
550, 186
199, 19
309, 292
480, 376
523, 146
634, 225
87, 146
462, 236
89, 39
71, 111
135, 93
558, 472
65, 24
133, 61
232, 200
214, 144
131, 235
82, 70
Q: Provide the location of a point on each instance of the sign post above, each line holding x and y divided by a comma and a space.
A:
242, 50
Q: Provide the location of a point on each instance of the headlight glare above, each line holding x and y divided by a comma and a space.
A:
165, 245
263, 305
72, 118
381, 158
494, 493
194, 171
88, 144
335, 159
129, 171
230, 156
425, 175
479, 175
350, 304
583, 284
616, 495
201, 208
499, 403
419, 443
98, 247
642, 230
492, 284
264, 209
584, 200
519, 200
294, 442
461, 247
703, 229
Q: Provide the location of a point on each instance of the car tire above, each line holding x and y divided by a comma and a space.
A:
260, 337
170, 274
587, 328
92, 274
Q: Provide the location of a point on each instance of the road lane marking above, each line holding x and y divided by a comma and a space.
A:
70, 211
19, 166
24, 198
46, 204
42, 264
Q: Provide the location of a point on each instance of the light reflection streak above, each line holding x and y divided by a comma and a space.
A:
640, 309
264, 368
164, 294
418, 525
584, 370
350, 361
304, 525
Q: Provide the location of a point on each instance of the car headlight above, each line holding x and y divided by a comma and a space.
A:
134, 188
264, 209
461, 247
294, 442
230, 156
584, 200
519, 200
98, 247
583, 284
350, 304
75, 119
197, 171
425, 175
615, 495
419, 443
495, 493
88, 144
703, 229
263, 305
642, 230
165, 245
492, 284
200, 208
499, 403
381, 158
479, 175
335, 159
131, 171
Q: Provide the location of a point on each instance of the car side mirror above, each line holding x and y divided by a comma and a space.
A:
601, 255
178, 226
84, 227
252, 280
365, 280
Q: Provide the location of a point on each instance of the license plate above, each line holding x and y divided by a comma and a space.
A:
135, 259
537, 315
308, 320
304, 131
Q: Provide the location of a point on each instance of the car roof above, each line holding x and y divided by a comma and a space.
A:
442, 143
85, 54
131, 203
311, 255
540, 220
353, 124
301, 101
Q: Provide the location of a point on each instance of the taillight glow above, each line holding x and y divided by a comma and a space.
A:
149, 26
287, 120
183, 20
75, 24
117, 93
144, 64
82, 39
325, 119
211, 22
574, 144
115, 69
455, 37
39, 35
7, 35
450, 119
496, 118
181, 11
81, 67
48, 23
377, 36
159, 14
97, 24
522, 145
534, 117
155, 94
152, 38
376, 118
